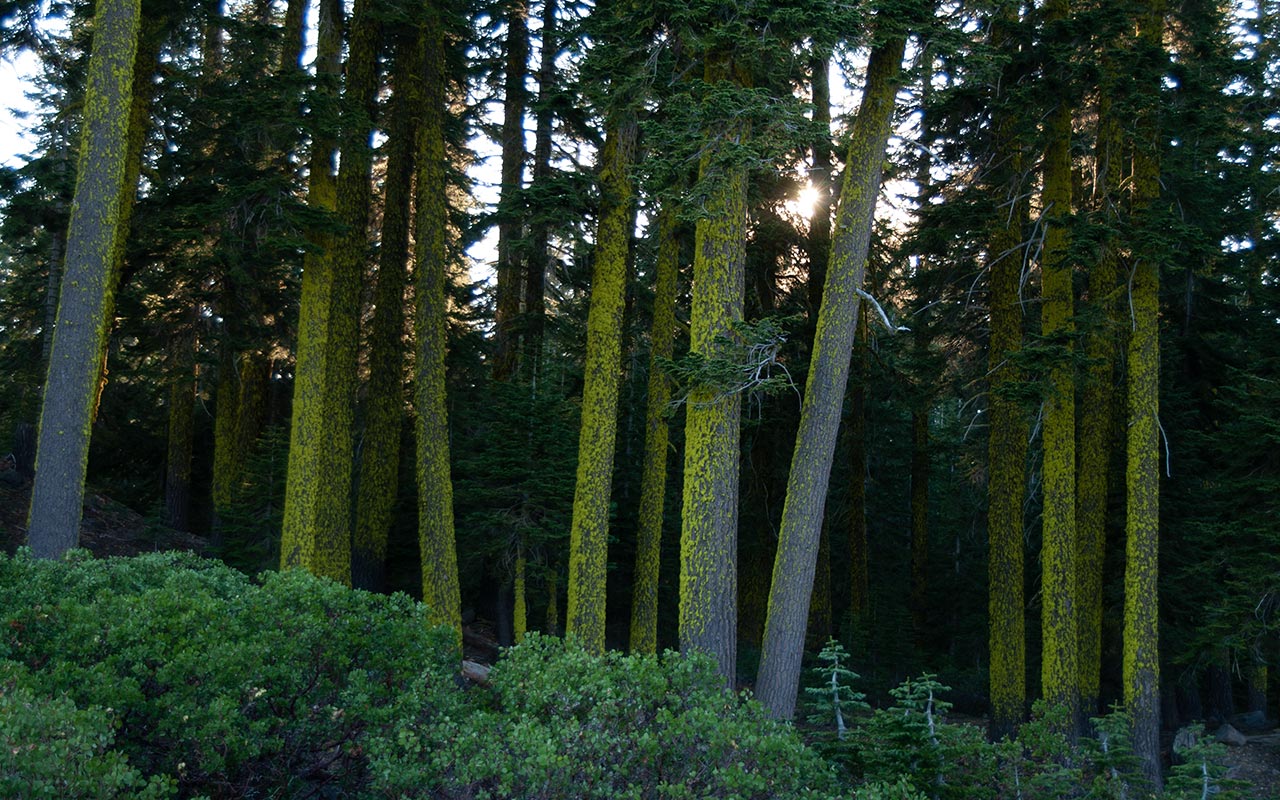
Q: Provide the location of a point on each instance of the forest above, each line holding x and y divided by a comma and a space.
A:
927, 340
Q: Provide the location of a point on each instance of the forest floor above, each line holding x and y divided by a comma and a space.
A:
1258, 763
111, 529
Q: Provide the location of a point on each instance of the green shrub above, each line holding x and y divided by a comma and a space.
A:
565, 723
234, 688
50, 748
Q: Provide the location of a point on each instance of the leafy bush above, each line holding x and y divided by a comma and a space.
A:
232, 687
565, 723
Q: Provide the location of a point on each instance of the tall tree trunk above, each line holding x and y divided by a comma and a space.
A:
384, 398
310, 539
1058, 665
589, 534
511, 200
435, 483
653, 481
1007, 444
540, 228
95, 245
824, 389
1098, 397
1142, 475
709, 523
820, 179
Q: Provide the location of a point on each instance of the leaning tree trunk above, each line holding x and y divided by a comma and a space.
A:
95, 244
802, 511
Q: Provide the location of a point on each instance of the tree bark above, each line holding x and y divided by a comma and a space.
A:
95, 245
440, 590
511, 200
653, 481
589, 533
802, 512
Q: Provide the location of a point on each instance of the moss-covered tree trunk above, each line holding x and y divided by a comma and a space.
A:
709, 518
1007, 443
802, 512
435, 482
322, 495
241, 407
1141, 674
653, 476
1058, 663
1097, 398
384, 410
511, 199
309, 540
589, 534
95, 242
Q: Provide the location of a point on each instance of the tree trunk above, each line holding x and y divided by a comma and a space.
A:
1142, 476
802, 512
589, 534
1007, 445
540, 227
511, 200
95, 244
653, 481
1059, 672
440, 589
709, 523
177, 474
313, 535
379, 480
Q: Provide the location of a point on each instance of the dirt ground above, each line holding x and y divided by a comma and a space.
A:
1258, 763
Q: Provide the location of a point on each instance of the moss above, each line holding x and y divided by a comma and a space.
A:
1007, 446
95, 240
435, 483
1141, 668
589, 533
709, 524
1058, 668
653, 481
379, 467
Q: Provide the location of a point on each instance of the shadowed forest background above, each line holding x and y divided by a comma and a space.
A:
978, 378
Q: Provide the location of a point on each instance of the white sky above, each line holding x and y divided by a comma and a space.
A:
15, 79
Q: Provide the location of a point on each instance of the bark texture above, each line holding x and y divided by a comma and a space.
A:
798, 540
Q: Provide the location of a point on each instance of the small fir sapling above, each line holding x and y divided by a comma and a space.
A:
833, 696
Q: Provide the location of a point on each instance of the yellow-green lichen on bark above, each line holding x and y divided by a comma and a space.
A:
1141, 668
1059, 674
435, 483
520, 614
1097, 395
709, 520
1007, 445
95, 242
798, 539
309, 539
589, 533
653, 480
379, 468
